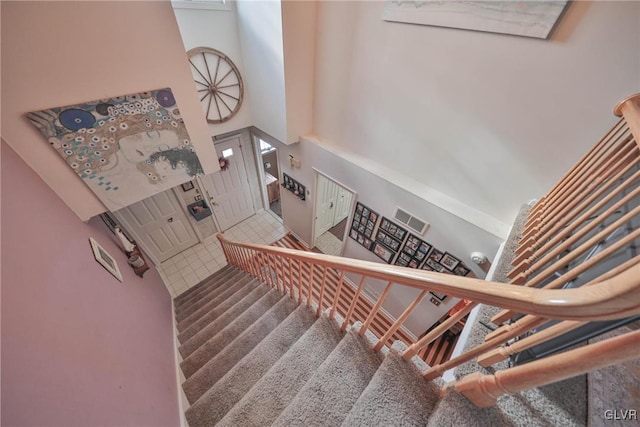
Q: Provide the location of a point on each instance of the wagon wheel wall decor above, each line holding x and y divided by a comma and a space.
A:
218, 82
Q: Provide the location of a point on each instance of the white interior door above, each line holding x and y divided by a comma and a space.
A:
326, 195
343, 205
160, 223
228, 190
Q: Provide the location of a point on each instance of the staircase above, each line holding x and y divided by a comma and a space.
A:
254, 357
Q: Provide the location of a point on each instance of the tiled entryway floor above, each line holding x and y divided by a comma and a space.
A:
195, 264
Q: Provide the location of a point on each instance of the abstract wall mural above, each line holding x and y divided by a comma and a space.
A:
125, 148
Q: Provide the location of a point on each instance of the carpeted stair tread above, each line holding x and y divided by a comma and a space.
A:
222, 321
216, 312
204, 287
214, 288
180, 299
230, 289
233, 330
396, 395
205, 300
220, 398
330, 393
217, 367
273, 392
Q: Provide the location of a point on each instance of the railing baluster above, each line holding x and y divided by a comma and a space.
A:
310, 290
375, 309
571, 201
578, 166
553, 201
299, 282
501, 353
356, 297
474, 352
274, 269
437, 331
322, 286
291, 286
529, 256
338, 295
575, 272
483, 390
575, 252
400, 320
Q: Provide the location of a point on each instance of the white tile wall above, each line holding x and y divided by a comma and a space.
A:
195, 264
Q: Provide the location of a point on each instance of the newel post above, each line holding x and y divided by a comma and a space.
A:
629, 108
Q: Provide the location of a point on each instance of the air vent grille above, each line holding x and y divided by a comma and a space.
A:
416, 224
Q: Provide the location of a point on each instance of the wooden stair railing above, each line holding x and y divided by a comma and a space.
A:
611, 297
588, 219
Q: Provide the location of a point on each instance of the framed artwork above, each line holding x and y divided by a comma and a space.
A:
187, 186
414, 251
436, 255
434, 265
391, 236
125, 148
449, 261
461, 270
441, 297
105, 259
362, 226
384, 253
522, 18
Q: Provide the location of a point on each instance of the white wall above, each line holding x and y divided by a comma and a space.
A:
260, 31
217, 29
490, 120
299, 44
447, 232
63, 53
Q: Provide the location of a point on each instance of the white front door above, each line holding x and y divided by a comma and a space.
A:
326, 195
228, 190
160, 223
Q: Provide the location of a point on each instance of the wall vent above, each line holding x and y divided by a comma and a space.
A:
414, 223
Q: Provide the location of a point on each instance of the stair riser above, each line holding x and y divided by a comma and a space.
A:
209, 331
179, 300
217, 343
208, 289
206, 299
217, 367
223, 295
216, 312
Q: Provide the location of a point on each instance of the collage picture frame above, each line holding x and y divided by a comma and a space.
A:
414, 252
389, 239
363, 225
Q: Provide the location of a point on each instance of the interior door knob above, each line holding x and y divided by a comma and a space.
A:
170, 220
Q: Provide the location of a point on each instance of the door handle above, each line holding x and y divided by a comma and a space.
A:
170, 220
331, 205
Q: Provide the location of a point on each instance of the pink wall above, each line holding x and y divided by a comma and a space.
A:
79, 348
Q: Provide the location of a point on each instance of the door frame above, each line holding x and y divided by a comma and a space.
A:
221, 140
134, 233
257, 154
354, 194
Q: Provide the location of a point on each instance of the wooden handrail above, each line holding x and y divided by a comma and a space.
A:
605, 301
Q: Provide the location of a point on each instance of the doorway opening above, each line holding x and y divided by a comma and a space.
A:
267, 155
334, 204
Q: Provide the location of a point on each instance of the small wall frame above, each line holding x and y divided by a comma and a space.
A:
105, 259
298, 190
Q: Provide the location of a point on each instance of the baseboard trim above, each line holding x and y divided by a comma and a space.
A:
177, 359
